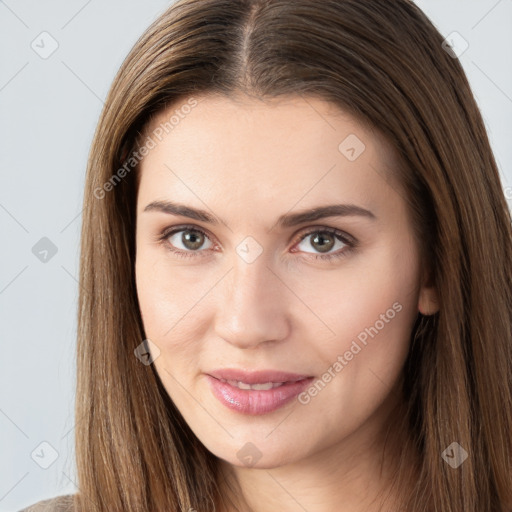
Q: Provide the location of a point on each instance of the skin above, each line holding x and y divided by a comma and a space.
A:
248, 162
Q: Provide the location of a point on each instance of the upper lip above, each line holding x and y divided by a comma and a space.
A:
256, 377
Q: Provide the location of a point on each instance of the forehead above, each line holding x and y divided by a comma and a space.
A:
257, 153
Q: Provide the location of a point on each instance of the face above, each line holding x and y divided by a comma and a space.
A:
258, 283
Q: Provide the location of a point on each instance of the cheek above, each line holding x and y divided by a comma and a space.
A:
371, 308
168, 300
373, 319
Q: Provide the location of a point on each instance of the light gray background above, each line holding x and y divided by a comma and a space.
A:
49, 109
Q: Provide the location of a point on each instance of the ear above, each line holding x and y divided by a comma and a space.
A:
428, 300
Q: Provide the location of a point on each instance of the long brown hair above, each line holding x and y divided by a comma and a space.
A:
384, 63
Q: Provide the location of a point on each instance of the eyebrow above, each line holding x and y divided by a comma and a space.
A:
284, 221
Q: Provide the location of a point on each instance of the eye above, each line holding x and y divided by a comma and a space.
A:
325, 240
185, 240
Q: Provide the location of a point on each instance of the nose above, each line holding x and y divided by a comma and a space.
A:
253, 305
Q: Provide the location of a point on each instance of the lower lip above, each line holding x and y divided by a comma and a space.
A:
252, 401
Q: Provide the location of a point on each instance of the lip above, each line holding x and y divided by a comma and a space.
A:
256, 377
251, 401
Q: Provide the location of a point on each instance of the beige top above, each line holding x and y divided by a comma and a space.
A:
58, 504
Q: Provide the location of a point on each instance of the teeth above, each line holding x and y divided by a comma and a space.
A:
260, 387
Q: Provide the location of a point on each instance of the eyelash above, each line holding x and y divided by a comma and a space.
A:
350, 243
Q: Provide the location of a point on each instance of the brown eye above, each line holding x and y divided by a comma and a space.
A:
187, 239
323, 241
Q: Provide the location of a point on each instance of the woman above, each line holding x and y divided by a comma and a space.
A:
295, 287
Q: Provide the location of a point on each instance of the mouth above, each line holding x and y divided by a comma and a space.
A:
256, 377
264, 386
256, 393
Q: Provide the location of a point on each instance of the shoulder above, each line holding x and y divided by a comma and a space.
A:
58, 504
